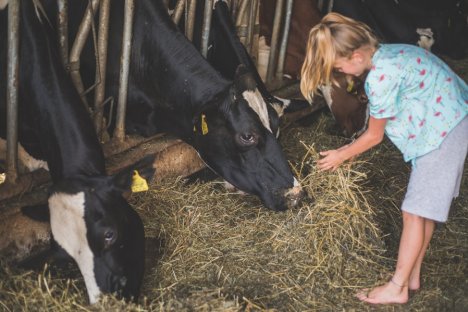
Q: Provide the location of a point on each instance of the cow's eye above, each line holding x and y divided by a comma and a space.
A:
247, 139
109, 237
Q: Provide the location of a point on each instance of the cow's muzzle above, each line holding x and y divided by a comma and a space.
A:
293, 196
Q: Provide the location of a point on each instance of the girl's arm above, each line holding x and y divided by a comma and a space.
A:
373, 136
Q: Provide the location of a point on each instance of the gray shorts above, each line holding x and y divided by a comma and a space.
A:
436, 177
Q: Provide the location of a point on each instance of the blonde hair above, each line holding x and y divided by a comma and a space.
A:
335, 36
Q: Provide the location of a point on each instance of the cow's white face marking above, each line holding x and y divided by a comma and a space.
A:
426, 38
24, 158
257, 103
3, 4
69, 230
280, 109
326, 91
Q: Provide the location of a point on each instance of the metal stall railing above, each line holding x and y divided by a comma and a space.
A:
245, 13
12, 92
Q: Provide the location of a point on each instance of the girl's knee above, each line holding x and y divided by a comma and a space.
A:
410, 217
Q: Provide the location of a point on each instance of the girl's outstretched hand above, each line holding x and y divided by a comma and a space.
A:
331, 161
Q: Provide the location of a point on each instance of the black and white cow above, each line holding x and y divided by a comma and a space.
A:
173, 89
90, 219
226, 53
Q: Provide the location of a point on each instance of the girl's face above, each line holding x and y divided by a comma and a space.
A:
356, 65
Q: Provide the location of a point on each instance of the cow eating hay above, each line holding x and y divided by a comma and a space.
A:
222, 252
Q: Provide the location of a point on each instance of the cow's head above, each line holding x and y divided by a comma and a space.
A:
94, 224
348, 103
236, 139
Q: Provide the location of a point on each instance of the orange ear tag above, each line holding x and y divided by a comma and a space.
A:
139, 184
204, 125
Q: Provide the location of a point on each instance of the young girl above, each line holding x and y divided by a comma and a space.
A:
421, 104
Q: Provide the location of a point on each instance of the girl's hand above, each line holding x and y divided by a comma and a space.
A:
332, 160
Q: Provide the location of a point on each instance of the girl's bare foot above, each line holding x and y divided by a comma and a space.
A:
385, 294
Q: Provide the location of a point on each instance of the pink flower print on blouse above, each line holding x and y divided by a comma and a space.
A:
410, 118
422, 122
443, 134
392, 118
418, 60
421, 85
411, 136
437, 114
402, 51
439, 99
449, 79
382, 77
422, 72
381, 111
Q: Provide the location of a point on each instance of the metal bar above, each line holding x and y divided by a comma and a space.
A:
251, 25
256, 35
274, 40
320, 5
241, 11
62, 22
329, 7
233, 7
179, 9
119, 132
206, 26
284, 40
12, 91
101, 67
78, 45
190, 21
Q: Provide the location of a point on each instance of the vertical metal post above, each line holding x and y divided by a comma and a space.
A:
119, 132
320, 5
12, 91
179, 9
274, 40
101, 67
241, 11
284, 40
78, 45
206, 26
329, 7
62, 22
234, 7
251, 24
190, 21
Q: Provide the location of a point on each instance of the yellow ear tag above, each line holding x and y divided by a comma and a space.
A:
204, 125
138, 183
350, 86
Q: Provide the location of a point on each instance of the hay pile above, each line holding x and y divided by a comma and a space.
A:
209, 250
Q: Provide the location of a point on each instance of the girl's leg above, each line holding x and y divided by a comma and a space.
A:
414, 282
411, 244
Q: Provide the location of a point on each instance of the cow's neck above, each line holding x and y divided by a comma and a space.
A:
67, 138
184, 79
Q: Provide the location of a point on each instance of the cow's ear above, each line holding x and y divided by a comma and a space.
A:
135, 176
244, 79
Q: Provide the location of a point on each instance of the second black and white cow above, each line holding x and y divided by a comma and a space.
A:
90, 219
173, 89
226, 53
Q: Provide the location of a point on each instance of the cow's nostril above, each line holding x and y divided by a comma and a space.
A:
294, 196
